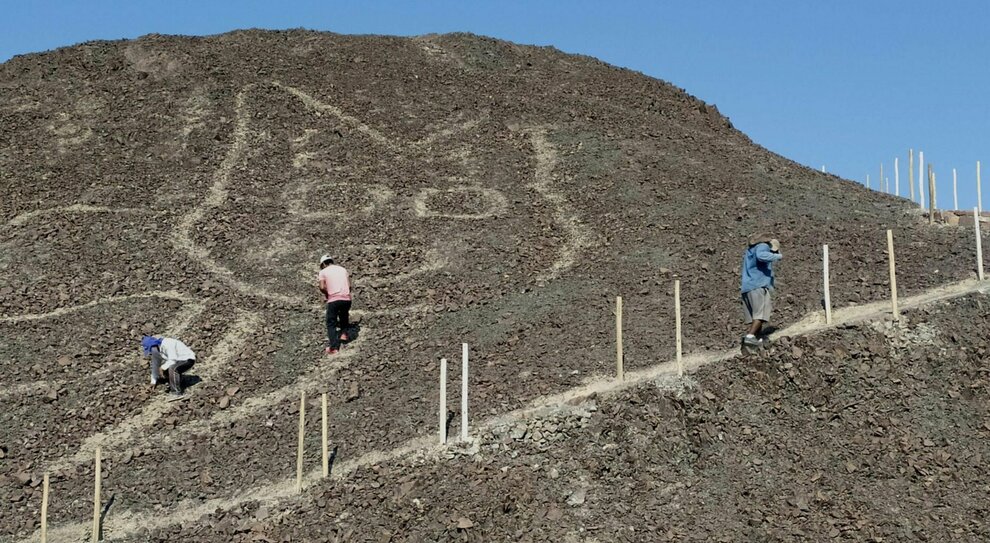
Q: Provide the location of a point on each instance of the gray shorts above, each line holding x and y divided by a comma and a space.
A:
757, 305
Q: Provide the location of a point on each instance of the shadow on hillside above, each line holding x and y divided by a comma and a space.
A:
353, 331
190, 381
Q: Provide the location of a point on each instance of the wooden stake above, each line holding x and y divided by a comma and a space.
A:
933, 190
464, 391
326, 438
619, 373
910, 178
443, 401
931, 195
893, 274
44, 509
883, 186
921, 175
97, 503
677, 325
979, 244
955, 191
302, 433
897, 177
979, 195
825, 276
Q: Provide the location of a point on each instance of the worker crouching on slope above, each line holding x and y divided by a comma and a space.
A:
335, 286
171, 356
757, 286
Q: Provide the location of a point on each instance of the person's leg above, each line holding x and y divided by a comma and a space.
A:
156, 365
747, 306
333, 335
755, 327
343, 319
765, 308
174, 381
175, 376
754, 324
331, 324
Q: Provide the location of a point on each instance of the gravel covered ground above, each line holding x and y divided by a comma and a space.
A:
478, 191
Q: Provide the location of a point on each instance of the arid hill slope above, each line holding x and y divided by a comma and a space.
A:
478, 191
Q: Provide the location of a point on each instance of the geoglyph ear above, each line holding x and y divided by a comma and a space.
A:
775, 245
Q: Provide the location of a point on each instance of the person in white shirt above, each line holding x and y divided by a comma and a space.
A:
168, 355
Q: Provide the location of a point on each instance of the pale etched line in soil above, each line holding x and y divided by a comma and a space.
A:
578, 235
29, 388
316, 377
217, 196
127, 523
184, 319
164, 294
814, 322
434, 261
182, 236
315, 104
319, 106
129, 432
190, 312
24, 218
445, 133
497, 203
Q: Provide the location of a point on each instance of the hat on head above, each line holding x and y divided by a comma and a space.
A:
325, 258
761, 237
147, 342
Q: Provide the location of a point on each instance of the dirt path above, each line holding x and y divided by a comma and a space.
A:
121, 524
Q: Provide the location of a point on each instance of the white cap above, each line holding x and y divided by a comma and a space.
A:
324, 258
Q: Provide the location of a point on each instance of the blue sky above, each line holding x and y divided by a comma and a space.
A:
846, 84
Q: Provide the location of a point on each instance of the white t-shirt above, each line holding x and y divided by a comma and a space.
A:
174, 351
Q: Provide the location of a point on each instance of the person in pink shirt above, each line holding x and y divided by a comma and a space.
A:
335, 285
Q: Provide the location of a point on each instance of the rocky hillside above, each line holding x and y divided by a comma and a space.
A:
477, 190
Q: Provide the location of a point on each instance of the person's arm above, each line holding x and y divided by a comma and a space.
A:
764, 254
157, 362
323, 288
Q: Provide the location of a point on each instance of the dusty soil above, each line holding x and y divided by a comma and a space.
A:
873, 432
477, 190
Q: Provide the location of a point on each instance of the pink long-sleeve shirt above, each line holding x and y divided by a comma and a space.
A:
334, 280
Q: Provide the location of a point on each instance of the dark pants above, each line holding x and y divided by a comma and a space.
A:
337, 318
174, 373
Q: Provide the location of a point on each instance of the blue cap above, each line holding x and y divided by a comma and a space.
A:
147, 342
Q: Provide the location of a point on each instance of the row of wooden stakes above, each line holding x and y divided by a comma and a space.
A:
443, 414
884, 184
620, 372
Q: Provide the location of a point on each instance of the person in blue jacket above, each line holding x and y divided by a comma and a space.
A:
757, 285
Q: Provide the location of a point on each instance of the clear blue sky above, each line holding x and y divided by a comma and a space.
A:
843, 83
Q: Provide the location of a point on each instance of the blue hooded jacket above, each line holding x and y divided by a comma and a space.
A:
757, 267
